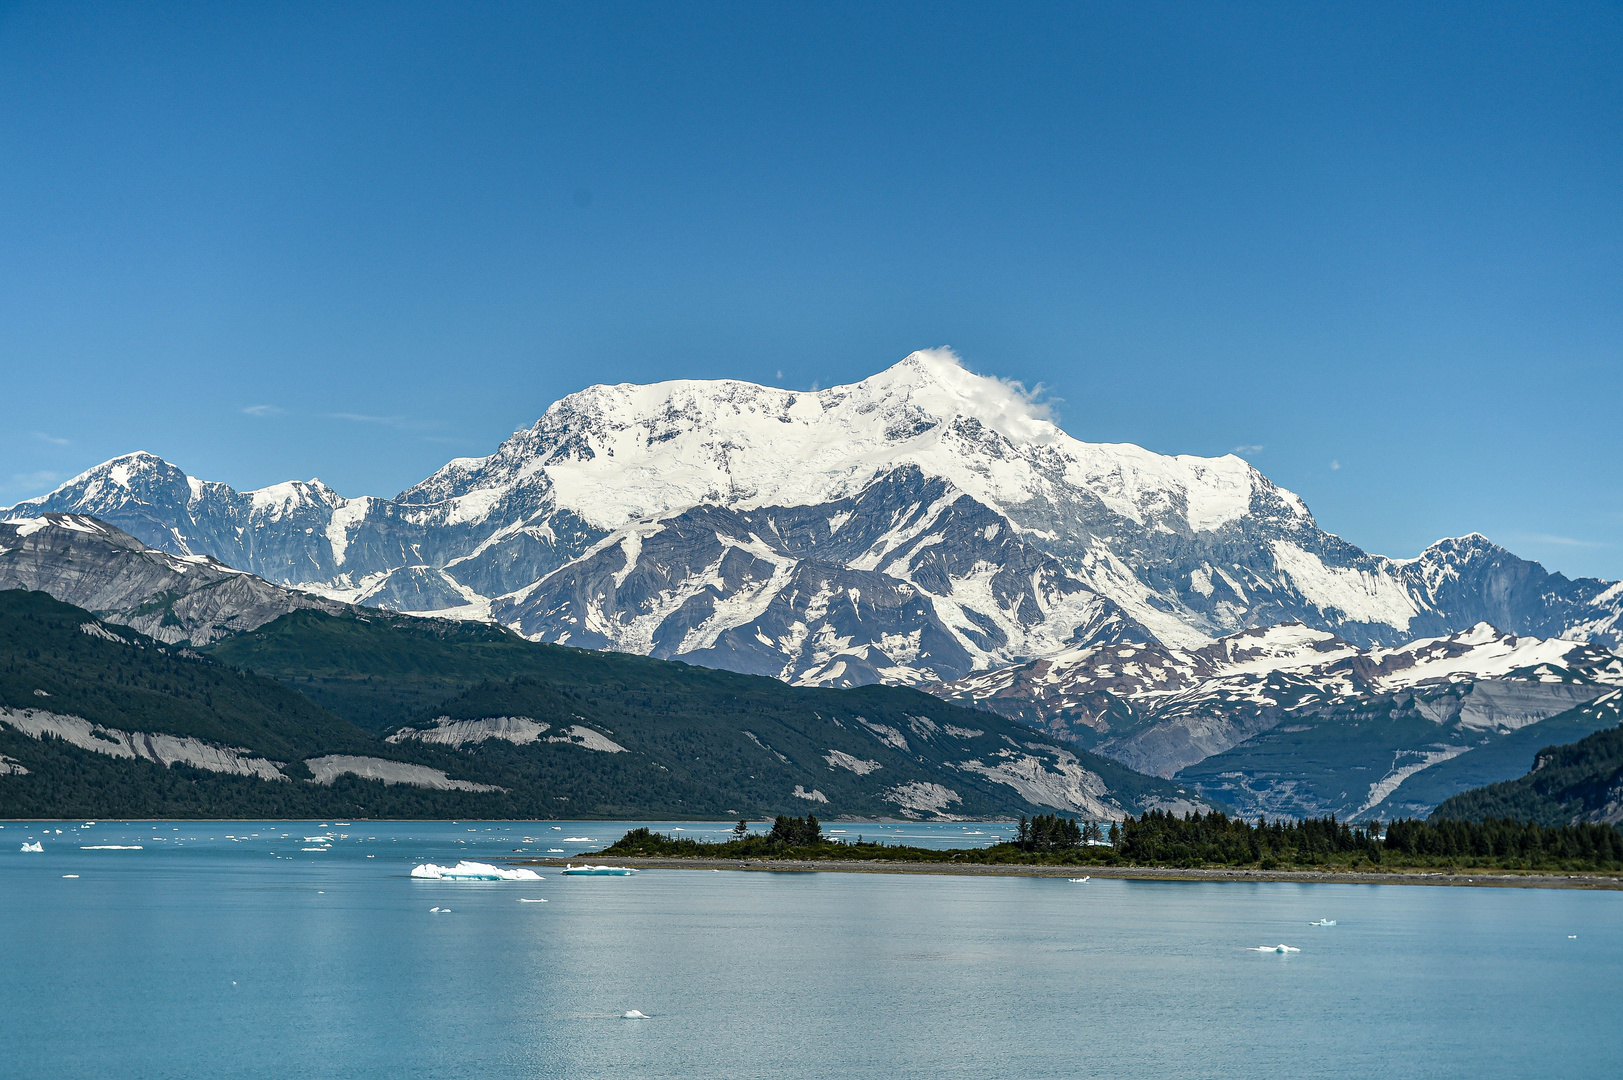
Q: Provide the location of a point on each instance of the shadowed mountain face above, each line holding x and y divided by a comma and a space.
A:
173, 598
1579, 781
921, 525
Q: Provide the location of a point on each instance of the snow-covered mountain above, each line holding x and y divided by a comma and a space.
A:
923, 524
1161, 709
1296, 721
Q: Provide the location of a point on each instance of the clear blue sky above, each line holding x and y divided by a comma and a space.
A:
1376, 246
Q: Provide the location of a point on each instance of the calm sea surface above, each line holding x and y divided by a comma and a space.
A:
225, 949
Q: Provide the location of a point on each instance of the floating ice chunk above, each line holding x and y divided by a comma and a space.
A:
473, 871
635, 1015
1080, 880
110, 847
35, 846
76, 875
578, 840
1275, 949
527, 900
1322, 922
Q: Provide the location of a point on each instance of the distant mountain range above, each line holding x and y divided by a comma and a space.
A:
926, 527
918, 526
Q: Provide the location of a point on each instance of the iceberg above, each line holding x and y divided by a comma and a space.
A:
473, 871
35, 846
598, 871
527, 900
107, 847
1275, 949
1323, 922
635, 1015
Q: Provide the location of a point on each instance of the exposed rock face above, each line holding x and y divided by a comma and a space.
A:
166, 750
919, 525
326, 769
518, 730
174, 598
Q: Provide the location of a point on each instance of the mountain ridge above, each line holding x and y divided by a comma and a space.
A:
1175, 549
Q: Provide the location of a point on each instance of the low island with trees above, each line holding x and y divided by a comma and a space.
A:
1156, 839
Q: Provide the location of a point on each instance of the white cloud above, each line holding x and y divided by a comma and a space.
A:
1334, 465
263, 410
1558, 541
400, 423
35, 480
1254, 449
1016, 401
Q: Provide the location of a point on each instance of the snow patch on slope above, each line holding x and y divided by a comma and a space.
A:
1361, 596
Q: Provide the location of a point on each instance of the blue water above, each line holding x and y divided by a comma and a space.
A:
212, 952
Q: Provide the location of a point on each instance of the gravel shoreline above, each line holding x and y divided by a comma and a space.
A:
1498, 879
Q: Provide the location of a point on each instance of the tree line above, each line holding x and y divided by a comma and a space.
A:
1216, 838
1159, 838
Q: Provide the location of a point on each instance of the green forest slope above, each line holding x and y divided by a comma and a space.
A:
1582, 781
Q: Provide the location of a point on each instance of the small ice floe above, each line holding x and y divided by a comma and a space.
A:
76, 875
598, 871
473, 871
315, 849
527, 900
35, 846
578, 840
110, 847
1322, 922
439, 911
1080, 880
1572, 937
555, 851
635, 1015
1275, 949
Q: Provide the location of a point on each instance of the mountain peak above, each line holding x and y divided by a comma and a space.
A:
936, 382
